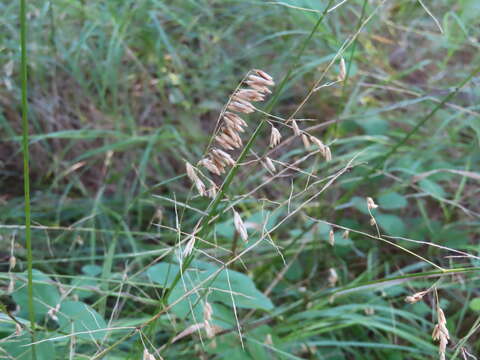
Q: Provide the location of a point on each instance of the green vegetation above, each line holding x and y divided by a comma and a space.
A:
289, 258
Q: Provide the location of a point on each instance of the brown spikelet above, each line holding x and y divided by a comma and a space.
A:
275, 137
240, 226
296, 129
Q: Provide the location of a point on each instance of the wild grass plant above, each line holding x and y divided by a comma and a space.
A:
245, 180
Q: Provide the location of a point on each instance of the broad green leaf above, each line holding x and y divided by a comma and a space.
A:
432, 187
392, 200
78, 317
475, 304
391, 224
16, 348
45, 294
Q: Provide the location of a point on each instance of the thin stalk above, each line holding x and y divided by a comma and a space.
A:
26, 170
407, 137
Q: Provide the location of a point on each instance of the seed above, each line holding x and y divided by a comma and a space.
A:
343, 70
275, 137
192, 175
331, 238
264, 75
269, 164
296, 129
249, 95
371, 204
242, 107
260, 81
240, 226
333, 277
210, 166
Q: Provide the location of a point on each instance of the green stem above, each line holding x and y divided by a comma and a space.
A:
212, 209
407, 137
26, 171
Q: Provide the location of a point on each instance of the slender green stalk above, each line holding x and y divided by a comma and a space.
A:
407, 137
26, 171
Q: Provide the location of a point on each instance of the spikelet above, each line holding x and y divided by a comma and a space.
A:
240, 226
275, 137
331, 238
332, 277
192, 175
189, 247
306, 141
343, 70
261, 80
189, 330
412, 299
228, 136
12, 261
296, 129
440, 333
269, 164
328, 153
210, 166
346, 234
221, 156
241, 106
371, 204
248, 95
147, 355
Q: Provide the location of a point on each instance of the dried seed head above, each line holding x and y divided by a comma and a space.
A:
369, 311
275, 137
11, 286
343, 70
372, 222
223, 157
249, 95
18, 329
207, 311
147, 355
233, 135
12, 262
412, 299
260, 88
192, 175
269, 165
52, 313
296, 129
346, 234
235, 118
210, 166
328, 154
305, 140
440, 333
189, 247
371, 204
331, 238
332, 277
189, 330
241, 106
260, 81
240, 226
264, 75
318, 142
220, 139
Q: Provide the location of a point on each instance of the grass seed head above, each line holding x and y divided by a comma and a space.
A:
296, 129
241, 106
269, 165
331, 238
332, 277
275, 137
192, 175
371, 204
240, 226
210, 166
343, 70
